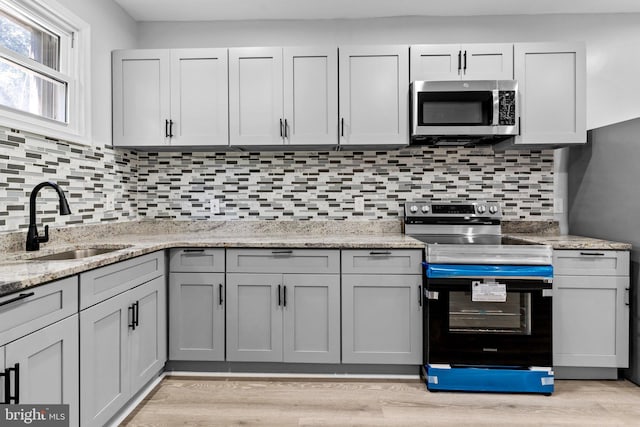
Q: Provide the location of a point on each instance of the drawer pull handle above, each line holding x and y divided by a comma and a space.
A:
284, 296
282, 252
193, 250
592, 253
380, 253
279, 296
18, 298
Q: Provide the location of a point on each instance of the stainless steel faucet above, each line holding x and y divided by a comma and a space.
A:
33, 240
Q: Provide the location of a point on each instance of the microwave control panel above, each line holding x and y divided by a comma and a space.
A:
507, 108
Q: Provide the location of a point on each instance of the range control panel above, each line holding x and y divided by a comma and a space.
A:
416, 210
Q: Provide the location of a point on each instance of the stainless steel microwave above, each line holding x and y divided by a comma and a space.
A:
464, 112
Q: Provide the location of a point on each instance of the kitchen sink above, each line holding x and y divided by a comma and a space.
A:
76, 254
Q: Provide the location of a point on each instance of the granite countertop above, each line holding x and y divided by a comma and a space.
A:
18, 271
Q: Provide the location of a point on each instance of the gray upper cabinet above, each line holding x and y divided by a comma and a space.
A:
591, 309
283, 96
552, 84
197, 298
374, 95
167, 97
48, 365
462, 62
289, 312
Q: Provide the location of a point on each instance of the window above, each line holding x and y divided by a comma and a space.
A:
43, 55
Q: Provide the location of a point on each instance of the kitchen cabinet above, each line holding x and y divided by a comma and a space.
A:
590, 311
122, 348
290, 312
197, 304
48, 366
374, 95
382, 306
552, 84
39, 330
176, 97
283, 96
462, 62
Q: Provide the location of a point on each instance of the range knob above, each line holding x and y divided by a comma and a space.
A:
425, 208
493, 209
480, 209
413, 209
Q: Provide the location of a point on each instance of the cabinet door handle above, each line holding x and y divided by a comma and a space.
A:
279, 297
626, 296
18, 298
170, 128
342, 127
459, 61
380, 253
220, 293
419, 295
166, 128
465, 62
286, 131
281, 133
193, 250
591, 253
284, 295
519, 127
131, 309
8, 397
137, 313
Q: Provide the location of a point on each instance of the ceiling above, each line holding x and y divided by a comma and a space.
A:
223, 10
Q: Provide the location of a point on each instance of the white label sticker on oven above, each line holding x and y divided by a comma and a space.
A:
488, 292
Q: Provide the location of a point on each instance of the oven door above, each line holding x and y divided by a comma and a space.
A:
489, 321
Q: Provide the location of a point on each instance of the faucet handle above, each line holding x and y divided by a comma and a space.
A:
45, 238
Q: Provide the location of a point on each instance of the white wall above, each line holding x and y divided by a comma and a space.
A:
111, 28
613, 62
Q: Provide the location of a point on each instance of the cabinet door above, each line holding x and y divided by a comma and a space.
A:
140, 97
436, 62
199, 97
255, 96
591, 321
311, 305
552, 84
381, 319
196, 307
148, 341
104, 365
49, 364
374, 95
254, 317
311, 95
487, 61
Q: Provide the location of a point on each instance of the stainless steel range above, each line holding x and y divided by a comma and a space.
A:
488, 298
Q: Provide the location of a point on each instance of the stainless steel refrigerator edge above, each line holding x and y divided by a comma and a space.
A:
604, 202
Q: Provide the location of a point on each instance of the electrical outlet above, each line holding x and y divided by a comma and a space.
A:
215, 206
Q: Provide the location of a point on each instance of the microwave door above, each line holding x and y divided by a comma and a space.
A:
446, 113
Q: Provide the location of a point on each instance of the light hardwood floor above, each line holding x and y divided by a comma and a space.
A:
266, 402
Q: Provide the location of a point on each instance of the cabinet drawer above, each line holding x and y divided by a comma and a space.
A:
196, 260
590, 262
283, 261
382, 261
48, 304
105, 282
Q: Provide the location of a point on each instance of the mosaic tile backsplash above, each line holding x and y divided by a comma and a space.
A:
106, 185
341, 185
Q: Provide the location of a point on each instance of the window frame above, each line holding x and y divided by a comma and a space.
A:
75, 62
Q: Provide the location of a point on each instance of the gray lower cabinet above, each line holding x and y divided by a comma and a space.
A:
382, 306
123, 346
48, 366
591, 310
283, 317
196, 316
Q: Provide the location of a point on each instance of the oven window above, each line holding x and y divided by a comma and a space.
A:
510, 317
473, 108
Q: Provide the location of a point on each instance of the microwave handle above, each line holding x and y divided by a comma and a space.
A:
496, 107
